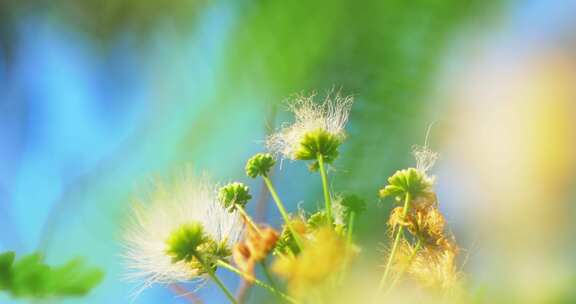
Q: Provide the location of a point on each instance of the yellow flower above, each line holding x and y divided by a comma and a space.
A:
324, 255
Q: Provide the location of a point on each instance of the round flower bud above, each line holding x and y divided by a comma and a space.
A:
233, 195
260, 165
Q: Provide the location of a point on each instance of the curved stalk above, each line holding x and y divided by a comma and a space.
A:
215, 278
248, 219
282, 210
395, 245
251, 278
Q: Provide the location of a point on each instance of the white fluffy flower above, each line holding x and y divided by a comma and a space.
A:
330, 116
425, 158
191, 199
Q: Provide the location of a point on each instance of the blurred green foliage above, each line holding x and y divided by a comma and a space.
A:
385, 53
106, 19
353, 203
29, 277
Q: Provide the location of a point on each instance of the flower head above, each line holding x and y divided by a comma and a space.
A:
260, 165
185, 241
318, 129
408, 181
233, 195
175, 223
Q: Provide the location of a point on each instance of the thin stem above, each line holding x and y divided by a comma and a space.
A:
325, 188
282, 210
248, 219
215, 278
350, 229
223, 287
268, 275
396, 242
251, 278
412, 256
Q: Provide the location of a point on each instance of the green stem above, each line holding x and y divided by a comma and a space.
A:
395, 245
248, 219
215, 278
412, 256
348, 245
251, 278
325, 188
350, 229
268, 275
282, 210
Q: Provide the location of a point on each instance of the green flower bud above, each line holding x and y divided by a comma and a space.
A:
184, 243
260, 165
353, 203
316, 143
234, 194
410, 180
211, 252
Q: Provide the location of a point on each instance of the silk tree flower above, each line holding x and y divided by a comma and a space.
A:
160, 226
318, 129
415, 181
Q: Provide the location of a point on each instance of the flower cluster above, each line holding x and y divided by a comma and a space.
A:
189, 230
430, 255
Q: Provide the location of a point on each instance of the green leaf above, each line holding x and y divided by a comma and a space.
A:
30, 277
74, 278
6, 261
353, 203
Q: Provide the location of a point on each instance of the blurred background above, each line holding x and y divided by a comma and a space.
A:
98, 97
